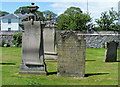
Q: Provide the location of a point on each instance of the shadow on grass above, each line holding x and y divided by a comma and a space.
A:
86, 75
51, 73
7, 63
89, 60
92, 74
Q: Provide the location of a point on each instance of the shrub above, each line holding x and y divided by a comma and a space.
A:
2, 43
17, 39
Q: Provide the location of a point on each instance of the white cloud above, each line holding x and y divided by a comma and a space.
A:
95, 8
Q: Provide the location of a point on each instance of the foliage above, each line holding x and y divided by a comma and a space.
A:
3, 13
17, 39
41, 15
107, 21
73, 19
49, 15
23, 10
4, 44
48, 12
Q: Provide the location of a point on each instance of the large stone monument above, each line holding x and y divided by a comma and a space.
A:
111, 51
32, 44
71, 55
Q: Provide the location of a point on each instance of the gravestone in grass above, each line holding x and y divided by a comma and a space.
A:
50, 41
32, 45
71, 55
111, 51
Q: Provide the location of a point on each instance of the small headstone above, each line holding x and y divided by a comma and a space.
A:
111, 51
49, 42
71, 55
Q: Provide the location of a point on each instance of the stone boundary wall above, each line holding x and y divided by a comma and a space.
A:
96, 39
7, 36
93, 39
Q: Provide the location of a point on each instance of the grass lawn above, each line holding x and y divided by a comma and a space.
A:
97, 72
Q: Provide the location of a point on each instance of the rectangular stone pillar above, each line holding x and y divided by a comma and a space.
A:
32, 49
71, 55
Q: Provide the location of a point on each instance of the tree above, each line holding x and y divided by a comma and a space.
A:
48, 12
108, 20
49, 15
24, 10
73, 19
3, 13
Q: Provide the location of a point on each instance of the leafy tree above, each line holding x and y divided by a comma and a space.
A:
73, 19
49, 15
42, 15
108, 21
23, 10
3, 13
52, 14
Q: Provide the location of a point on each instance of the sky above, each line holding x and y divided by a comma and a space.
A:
95, 7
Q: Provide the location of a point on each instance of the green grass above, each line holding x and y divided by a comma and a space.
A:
99, 72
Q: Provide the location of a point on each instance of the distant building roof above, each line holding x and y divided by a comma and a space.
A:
14, 16
22, 16
10, 16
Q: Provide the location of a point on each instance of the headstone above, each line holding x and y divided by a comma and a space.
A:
32, 46
111, 51
49, 36
71, 55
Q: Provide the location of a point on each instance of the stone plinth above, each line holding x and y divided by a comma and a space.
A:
32, 49
111, 51
71, 55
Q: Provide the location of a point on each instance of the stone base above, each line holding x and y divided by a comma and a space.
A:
50, 56
33, 69
33, 72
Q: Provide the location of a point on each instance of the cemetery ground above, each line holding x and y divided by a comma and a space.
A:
97, 72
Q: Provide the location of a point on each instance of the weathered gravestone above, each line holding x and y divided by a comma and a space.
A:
32, 45
49, 36
71, 55
111, 51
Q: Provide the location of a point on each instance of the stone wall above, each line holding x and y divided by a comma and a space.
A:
93, 39
7, 36
97, 39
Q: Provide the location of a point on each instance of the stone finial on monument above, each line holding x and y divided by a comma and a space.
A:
32, 45
111, 51
71, 55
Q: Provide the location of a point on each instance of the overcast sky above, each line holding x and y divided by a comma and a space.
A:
95, 7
